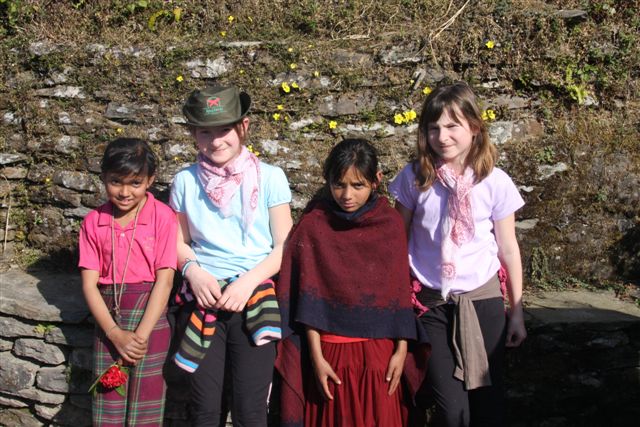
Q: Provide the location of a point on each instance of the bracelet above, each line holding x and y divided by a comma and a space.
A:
112, 328
186, 265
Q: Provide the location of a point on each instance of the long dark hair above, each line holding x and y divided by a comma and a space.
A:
129, 156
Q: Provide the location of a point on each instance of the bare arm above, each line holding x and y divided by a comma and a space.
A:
157, 302
204, 286
509, 254
130, 346
322, 369
235, 297
396, 365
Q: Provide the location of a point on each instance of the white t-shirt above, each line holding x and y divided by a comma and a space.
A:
216, 240
492, 199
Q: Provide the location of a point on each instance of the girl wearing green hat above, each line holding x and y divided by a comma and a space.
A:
234, 216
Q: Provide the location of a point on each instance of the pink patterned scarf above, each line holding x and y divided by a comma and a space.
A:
458, 226
221, 184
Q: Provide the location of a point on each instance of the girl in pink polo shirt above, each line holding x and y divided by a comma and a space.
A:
458, 210
127, 261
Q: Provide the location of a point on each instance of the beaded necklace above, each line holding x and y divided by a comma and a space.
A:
117, 296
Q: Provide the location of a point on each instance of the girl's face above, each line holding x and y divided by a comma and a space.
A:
352, 191
126, 193
220, 144
451, 140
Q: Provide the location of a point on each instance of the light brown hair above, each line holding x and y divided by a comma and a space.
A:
455, 99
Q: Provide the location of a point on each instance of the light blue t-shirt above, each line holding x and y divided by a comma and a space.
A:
216, 240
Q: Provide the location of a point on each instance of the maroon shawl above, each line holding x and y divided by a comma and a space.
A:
346, 277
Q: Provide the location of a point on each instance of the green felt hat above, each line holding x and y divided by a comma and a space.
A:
216, 106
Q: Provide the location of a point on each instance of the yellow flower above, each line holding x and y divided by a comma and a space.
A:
280, 107
316, 73
250, 19
290, 50
285, 87
398, 119
293, 65
179, 79
490, 44
276, 116
47, 180
241, 71
295, 85
488, 115
411, 81
409, 116
426, 90
230, 19
119, 130
333, 124
223, 33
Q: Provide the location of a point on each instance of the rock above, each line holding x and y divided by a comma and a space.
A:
346, 104
64, 92
53, 379
11, 118
500, 132
16, 374
348, 58
11, 402
79, 212
44, 296
37, 395
512, 102
5, 345
527, 224
8, 158
13, 328
47, 411
67, 196
400, 55
547, 171
39, 350
272, 147
41, 174
129, 112
572, 15
75, 180
611, 340
586, 307
42, 48
67, 144
18, 417
301, 124
209, 69
13, 172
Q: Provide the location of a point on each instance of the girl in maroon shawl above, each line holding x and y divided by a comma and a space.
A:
345, 298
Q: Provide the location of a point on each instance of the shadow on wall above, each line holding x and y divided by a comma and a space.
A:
625, 255
578, 367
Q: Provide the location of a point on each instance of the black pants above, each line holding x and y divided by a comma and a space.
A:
456, 407
251, 370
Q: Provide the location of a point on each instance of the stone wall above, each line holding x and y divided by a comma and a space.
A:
580, 365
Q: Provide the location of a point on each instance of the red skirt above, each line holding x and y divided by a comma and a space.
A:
361, 399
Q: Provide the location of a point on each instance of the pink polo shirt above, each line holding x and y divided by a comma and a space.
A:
492, 199
154, 247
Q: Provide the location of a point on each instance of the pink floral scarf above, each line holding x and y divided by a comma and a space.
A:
458, 226
221, 184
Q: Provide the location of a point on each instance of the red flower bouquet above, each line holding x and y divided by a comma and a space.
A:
115, 377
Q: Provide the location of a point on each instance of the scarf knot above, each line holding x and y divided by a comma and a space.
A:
221, 184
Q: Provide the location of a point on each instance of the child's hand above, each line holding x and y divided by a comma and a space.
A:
235, 295
204, 286
130, 346
324, 372
516, 332
394, 370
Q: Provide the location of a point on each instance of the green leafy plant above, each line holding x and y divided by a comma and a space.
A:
43, 329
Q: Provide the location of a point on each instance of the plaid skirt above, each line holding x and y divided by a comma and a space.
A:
143, 403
